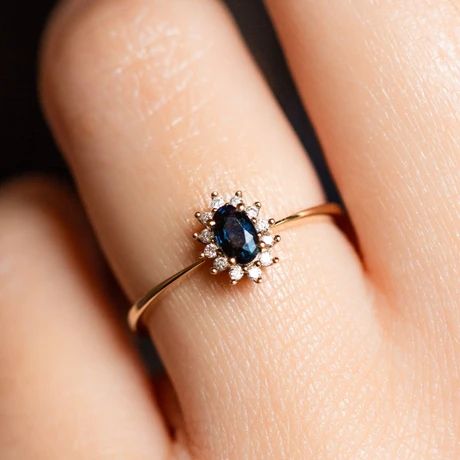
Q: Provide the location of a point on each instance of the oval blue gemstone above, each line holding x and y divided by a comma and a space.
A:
235, 234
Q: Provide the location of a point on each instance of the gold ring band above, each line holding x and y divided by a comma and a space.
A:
144, 304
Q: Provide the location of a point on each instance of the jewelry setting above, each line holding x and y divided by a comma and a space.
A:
236, 237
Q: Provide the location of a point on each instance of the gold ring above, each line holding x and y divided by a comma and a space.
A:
237, 239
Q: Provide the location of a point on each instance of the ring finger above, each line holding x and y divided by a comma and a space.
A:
155, 104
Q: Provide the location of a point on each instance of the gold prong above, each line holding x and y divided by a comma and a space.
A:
233, 282
211, 223
254, 220
202, 256
195, 235
277, 238
258, 204
240, 207
213, 271
275, 260
239, 193
214, 194
198, 214
232, 261
258, 280
262, 245
272, 221
258, 264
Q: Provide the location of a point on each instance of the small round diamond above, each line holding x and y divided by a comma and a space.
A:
267, 239
236, 200
236, 273
220, 264
262, 225
217, 202
265, 258
205, 236
252, 211
255, 273
210, 251
205, 217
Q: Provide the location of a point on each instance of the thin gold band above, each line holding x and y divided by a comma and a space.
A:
145, 302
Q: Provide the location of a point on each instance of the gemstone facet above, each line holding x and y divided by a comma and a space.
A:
267, 239
205, 236
205, 217
217, 202
220, 263
210, 251
235, 234
262, 225
252, 211
236, 200
265, 258
236, 273
255, 273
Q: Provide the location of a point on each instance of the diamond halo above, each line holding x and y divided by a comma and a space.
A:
236, 237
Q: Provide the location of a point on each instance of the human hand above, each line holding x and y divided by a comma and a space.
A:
335, 355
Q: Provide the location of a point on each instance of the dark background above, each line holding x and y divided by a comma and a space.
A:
26, 143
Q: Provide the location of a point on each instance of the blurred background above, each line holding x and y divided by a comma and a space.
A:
26, 142
27, 145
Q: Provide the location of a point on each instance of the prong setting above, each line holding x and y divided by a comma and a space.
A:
262, 240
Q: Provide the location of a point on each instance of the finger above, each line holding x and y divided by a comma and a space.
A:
381, 84
70, 386
156, 104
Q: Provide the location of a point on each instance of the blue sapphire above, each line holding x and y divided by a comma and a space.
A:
235, 234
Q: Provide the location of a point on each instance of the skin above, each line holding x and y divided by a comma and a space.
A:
336, 355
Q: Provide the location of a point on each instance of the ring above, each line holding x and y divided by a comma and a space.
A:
237, 239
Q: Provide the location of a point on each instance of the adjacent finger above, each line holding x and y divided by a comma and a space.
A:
70, 385
156, 104
381, 82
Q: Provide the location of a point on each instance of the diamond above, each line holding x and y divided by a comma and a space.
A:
252, 211
236, 273
217, 202
206, 236
255, 273
220, 264
262, 225
267, 239
236, 200
265, 258
205, 217
210, 251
